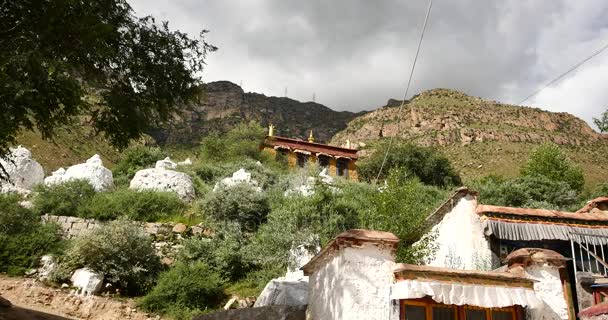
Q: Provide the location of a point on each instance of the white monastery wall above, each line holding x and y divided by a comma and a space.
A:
460, 240
352, 284
549, 289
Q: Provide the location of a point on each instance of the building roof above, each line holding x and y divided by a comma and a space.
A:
543, 214
448, 205
352, 238
313, 147
417, 272
596, 310
593, 204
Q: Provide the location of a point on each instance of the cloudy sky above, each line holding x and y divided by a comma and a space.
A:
356, 54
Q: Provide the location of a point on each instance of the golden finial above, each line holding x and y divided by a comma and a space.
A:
347, 143
310, 137
270, 130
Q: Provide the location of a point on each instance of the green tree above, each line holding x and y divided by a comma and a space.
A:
242, 141
64, 58
602, 123
428, 164
549, 161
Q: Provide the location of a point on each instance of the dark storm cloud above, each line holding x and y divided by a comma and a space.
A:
356, 54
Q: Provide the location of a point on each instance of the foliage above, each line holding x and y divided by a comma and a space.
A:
526, 191
23, 238
240, 203
187, 286
64, 199
119, 250
602, 123
241, 142
549, 161
134, 159
401, 208
224, 252
427, 164
120, 60
145, 205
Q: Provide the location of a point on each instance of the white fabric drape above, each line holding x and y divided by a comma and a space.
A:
466, 294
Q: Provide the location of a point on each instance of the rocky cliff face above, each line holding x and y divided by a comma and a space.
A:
447, 117
225, 104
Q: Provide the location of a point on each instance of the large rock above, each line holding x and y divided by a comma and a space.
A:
284, 292
48, 265
92, 171
262, 313
240, 176
166, 163
86, 281
23, 171
164, 180
56, 177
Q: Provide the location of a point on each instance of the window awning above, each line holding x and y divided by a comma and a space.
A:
485, 296
302, 151
527, 231
280, 148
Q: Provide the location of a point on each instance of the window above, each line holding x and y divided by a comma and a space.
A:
342, 167
428, 309
302, 159
323, 161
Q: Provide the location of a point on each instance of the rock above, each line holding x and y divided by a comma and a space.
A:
180, 228
166, 163
240, 176
164, 180
55, 178
92, 171
186, 162
23, 171
5, 303
229, 304
30, 272
283, 292
86, 281
27, 204
65, 285
196, 230
48, 265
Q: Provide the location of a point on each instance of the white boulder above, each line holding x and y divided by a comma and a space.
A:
55, 178
92, 171
164, 180
306, 188
186, 162
48, 265
240, 176
23, 171
86, 281
166, 163
283, 292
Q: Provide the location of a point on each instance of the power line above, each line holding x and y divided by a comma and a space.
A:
574, 67
407, 89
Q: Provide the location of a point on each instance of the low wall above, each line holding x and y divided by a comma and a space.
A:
166, 236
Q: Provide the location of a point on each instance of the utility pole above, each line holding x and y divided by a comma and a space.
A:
314, 97
285, 92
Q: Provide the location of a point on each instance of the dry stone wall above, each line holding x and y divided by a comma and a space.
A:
167, 237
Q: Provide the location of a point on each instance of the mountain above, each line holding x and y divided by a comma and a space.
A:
225, 104
481, 136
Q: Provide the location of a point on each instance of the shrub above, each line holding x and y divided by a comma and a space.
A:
134, 205
185, 287
242, 141
23, 238
429, 165
63, 199
240, 203
119, 250
550, 162
134, 159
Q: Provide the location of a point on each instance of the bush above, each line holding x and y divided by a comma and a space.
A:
65, 199
550, 162
429, 165
240, 203
119, 250
241, 142
144, 205
134, 159
185, 287
23, 238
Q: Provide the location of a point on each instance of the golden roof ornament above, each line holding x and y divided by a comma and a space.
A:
271, 131
310, 137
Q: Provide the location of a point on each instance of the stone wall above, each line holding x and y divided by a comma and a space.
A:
166, 236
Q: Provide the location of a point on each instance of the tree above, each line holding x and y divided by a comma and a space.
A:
429, 165
602, 123
66, 58
548, 160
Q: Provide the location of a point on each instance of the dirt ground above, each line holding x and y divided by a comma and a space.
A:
32, 300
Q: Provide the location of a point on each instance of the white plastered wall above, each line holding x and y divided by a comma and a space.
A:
460, 240
352, 283
549, 289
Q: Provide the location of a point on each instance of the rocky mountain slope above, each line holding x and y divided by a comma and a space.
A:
481, 136
225, 104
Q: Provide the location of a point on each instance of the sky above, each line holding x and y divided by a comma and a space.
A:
356, 54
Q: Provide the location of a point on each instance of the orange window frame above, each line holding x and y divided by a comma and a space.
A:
459, 311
